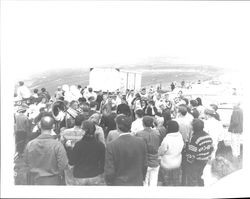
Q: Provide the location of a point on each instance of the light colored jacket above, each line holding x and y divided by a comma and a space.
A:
170, 150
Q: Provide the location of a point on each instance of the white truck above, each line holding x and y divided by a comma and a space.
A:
112, 79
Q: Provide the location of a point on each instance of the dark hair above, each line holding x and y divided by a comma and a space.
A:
92, 104
172, 126
82, 99
47, 123
123, 109
167, 117
113, 108
198, 125
123, 123
21, 83
43, 89
194, 103
35, 90
72, 102
79, 119
89, 128
148, 121
186, 101
79, 86
198, 99
140, 113
182, 109
90, 89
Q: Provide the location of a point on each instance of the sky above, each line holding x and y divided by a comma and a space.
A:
41, 35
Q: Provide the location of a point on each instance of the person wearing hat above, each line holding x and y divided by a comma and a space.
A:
22, 128
170, 153
214, 128
152, 139
198, 153
45, 157
126, 159
87, 157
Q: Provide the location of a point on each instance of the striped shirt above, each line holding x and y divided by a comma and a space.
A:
200, 147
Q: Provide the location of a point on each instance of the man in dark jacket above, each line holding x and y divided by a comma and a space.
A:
198, 153
125, 160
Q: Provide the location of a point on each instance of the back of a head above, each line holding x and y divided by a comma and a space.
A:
92, 104
148, 121
123, 109
172, 127
95, 118
139, 113
89, 128
47, 123
123, 123
194, 103
198, 99
90, 89
198, 125
79, 119
43, 89
21, 83
182, 110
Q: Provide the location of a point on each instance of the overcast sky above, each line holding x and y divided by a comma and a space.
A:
53, 34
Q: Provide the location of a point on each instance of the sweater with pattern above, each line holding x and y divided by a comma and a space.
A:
200, 147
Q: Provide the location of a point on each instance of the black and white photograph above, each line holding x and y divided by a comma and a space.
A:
124, 99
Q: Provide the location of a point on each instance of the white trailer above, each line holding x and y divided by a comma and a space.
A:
112, 79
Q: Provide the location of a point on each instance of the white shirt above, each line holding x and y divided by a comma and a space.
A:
23, 92
170, 150
137, 126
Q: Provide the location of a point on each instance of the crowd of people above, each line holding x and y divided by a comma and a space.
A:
77, 136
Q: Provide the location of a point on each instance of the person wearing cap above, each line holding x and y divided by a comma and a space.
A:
198, 153
126, 159
22, 128
87, 157
45, 157
214, 128
170, 153
152, 139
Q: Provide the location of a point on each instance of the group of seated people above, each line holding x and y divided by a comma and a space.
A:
140, 138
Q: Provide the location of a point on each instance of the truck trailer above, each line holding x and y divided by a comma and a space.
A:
113, 79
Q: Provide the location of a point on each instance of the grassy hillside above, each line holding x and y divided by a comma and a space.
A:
151, 75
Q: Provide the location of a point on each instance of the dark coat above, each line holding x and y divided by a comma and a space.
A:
236, 122
87, 157
125, 161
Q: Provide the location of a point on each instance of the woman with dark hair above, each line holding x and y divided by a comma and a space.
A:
87, 157
200, 108
170, 153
